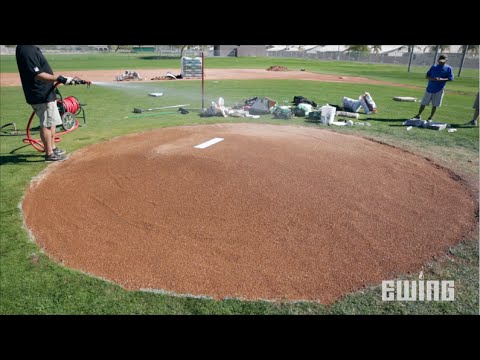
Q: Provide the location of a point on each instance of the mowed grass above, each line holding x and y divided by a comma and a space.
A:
30, 283
467, 83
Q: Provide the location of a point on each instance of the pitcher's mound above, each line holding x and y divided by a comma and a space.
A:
270, 212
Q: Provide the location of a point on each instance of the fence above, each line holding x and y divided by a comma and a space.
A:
418, 59
156, 50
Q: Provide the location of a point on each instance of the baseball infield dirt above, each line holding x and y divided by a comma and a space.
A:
13, 79
271, 212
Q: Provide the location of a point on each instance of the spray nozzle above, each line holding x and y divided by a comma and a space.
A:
78, 81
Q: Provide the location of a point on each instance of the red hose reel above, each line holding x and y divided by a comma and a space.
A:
69, 109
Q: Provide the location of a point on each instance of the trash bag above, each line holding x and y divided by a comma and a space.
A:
371, 106
350, 105
299, 112
261, 106
216, 109
314, 116
305, 107
282, 112
303, 100
365, 101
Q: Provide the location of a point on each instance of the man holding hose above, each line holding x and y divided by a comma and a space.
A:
38, 86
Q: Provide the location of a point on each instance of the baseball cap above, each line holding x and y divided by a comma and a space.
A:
442, 58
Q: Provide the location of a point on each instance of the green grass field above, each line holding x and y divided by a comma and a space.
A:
30, 283
385, 72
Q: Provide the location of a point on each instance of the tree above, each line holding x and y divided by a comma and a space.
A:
441, 48
410, 48
118, 47
472, 49
376, 49
183, 47
357, 48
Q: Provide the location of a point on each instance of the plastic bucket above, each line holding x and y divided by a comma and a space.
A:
327, 114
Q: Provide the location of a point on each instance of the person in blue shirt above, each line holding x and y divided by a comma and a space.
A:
437, 76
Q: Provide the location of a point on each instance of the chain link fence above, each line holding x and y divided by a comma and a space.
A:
418, 59
155, 50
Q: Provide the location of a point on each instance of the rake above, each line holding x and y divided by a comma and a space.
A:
136, 110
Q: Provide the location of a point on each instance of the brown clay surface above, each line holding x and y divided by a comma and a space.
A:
13, 79
271, 212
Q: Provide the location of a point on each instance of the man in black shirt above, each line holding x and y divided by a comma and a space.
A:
38, 86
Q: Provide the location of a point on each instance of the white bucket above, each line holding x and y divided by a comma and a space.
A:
327, 114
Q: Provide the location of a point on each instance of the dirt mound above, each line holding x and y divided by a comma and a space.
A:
13, 79
277, 68
270, 212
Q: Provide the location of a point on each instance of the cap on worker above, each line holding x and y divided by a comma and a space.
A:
442, 58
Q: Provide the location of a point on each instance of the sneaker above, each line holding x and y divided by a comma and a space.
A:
417, 117
472, 122
54, 157
58, 151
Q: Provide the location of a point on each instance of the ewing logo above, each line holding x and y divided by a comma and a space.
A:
418, 290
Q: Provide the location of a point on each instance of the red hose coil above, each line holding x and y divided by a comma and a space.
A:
69, 104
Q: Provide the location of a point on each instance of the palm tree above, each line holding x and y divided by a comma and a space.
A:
410, 48
441, 48
376, 49
129, 47
357, 48
472, 49
182, 48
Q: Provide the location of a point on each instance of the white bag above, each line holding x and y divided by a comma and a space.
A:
261, 106
328, 114
350, 105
